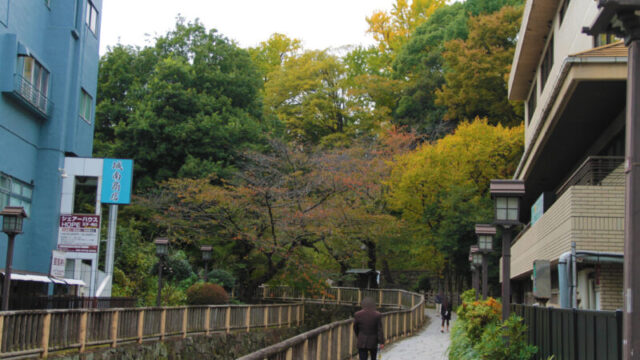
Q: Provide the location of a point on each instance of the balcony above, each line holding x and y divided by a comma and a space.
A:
27, 94
589, 210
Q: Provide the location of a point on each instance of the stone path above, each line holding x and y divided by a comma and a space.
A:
428, 344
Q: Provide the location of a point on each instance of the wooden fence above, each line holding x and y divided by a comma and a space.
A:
573, 334
336, 341
24, 333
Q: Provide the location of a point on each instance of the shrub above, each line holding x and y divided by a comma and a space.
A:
222, 277
206, 294
479, 334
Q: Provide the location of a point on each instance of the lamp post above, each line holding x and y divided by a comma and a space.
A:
485, 235
476, 261
206, 257
622, 18
162, 250
506, 195
12, 219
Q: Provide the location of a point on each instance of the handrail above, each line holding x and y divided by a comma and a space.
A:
34, 96
340, 339
73, 330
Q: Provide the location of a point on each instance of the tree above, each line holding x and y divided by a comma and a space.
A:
443, 186
478, 69
187, 106
270, 55
391, 29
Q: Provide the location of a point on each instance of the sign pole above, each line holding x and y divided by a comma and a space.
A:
111, 245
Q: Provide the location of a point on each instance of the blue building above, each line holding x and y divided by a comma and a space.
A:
48, 82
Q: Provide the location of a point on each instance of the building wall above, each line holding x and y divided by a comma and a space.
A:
592, 216
33, 147
568, 39
610, 288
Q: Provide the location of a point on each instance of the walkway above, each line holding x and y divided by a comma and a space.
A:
428, 344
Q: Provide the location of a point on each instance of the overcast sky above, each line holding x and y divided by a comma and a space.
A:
319, 24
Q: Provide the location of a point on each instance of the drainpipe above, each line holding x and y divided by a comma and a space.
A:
574, 277
567, 263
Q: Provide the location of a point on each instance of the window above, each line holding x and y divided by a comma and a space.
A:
547, 64
85, 106
92, 17
532, 102
604, 39
14, 192
33, 82
563, 9
507, 208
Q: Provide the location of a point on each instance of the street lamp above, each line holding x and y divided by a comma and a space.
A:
485, 235
162, 250
12, 219
476, 260
506, 195
206, 256
622, 18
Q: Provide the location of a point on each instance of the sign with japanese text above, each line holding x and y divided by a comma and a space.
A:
58, 263
117, 179
79, 233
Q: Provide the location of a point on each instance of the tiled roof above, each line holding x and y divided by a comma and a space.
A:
612, 50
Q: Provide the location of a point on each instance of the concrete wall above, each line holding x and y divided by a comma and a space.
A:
592, 216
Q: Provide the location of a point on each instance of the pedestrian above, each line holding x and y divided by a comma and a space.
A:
367, 325
438, 301
446, 314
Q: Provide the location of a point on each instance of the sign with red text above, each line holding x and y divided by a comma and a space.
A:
58, 263
79, 233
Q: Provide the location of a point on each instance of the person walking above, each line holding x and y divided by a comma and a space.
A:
438, 301
445, 314
367, 326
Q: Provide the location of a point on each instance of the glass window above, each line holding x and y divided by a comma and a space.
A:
547, 65
85, 106
604, 39
507, 208
13, 192
532, 103
92, 17
34, 84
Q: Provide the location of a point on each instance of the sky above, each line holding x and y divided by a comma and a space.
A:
319, 24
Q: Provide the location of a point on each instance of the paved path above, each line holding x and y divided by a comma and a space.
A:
428, 344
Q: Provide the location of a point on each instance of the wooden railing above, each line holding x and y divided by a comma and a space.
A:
336, 341
25, 333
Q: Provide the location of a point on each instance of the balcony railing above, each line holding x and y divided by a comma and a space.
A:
596, 171
32, 96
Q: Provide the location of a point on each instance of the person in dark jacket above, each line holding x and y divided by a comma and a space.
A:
367, 325
445, 313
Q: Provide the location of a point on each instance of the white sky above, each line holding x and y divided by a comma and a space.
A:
319, 23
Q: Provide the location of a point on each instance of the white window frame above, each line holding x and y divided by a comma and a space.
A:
91, 18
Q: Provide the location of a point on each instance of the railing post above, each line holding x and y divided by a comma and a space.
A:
289, 315
279, 316
380, 297
207, 320
305, 350
339, 296
289, 355
266, 316
248, 318
264, 292
339, 346
359, 296
114, 328
82, 334
163, 323
319, 347
1, 329
351, 336
46, 328
140, 326
330, 337
228, 320
399, 299
185, 320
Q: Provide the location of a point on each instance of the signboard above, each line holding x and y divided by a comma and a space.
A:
117, 179
58, 263
537, 209
79, 233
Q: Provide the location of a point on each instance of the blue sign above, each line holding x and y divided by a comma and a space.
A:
117, 179
537, 209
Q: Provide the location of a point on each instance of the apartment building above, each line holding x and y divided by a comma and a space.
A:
48, 83
574, 89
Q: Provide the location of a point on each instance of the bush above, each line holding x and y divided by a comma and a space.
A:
479, 334
222, 277
206, 294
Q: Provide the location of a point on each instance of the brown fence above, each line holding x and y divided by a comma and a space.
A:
571, 334
336, 340
25, 333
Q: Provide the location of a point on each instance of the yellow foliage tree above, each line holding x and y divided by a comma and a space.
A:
391, 29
